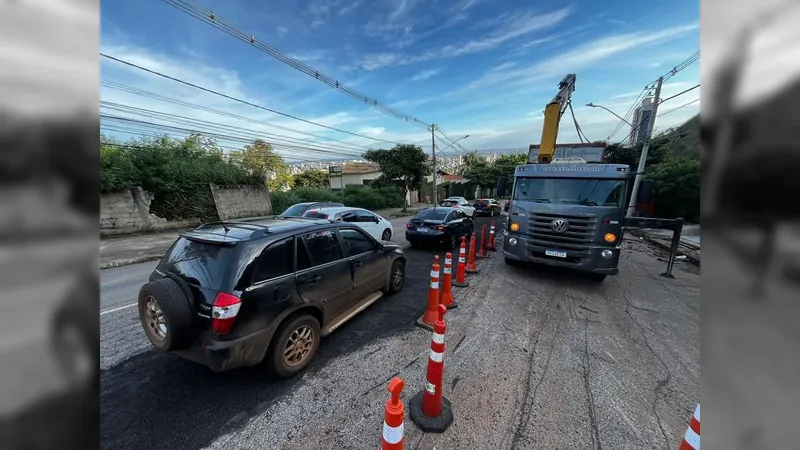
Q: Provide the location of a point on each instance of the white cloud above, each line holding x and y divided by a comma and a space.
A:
425, 74
580, 57
349, 8
282, 31
372, 131
511, 27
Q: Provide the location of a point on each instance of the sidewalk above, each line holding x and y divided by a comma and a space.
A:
132, 249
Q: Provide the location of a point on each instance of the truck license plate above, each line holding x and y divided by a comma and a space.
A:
556, 253
422, 229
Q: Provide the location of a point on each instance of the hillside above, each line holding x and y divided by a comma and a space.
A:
682, 141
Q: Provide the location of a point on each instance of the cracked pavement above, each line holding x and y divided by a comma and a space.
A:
536, 358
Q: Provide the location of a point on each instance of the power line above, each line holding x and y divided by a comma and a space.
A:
691, 59
578, 129
134, 126
679, 94
183, 120
164, 98
679, 107
243, 101
210, 18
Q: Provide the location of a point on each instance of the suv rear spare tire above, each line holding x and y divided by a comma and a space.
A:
166, 314
294, 345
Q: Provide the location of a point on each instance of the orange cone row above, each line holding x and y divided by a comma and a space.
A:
430, 410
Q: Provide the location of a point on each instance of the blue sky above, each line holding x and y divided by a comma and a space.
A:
478, 67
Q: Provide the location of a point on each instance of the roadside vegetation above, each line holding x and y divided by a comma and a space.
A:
177, 172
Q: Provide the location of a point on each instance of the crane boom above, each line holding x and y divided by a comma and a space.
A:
552, 118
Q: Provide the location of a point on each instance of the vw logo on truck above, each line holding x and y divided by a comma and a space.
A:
559, 225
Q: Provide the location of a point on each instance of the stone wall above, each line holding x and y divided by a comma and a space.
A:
127, 211
234, 202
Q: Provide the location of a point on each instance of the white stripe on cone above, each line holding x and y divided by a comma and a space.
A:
438, 338
447, 270
436, 356
434, 285
692, 438
392, 435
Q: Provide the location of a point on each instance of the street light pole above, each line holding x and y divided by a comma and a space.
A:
433, 159
645, 147
592, 105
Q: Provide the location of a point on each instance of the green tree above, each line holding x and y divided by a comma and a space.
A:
260, 160
677, 188
405, 163
312, 178
505, 165
477, 170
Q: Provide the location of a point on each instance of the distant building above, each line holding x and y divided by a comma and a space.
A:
356, 174
641, 122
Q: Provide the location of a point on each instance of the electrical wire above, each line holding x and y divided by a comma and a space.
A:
210, 91
210, 18
679, 107
679, 94
183, 120
578, 129
152, 95
134, 126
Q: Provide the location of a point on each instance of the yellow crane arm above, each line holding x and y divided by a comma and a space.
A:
552, 118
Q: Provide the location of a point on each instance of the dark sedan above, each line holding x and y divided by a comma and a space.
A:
440, 225
487, 206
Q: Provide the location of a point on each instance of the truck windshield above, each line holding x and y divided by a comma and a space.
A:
573, 191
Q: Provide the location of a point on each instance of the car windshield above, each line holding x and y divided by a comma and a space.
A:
432, 214
295, 211
198, 263
574, 191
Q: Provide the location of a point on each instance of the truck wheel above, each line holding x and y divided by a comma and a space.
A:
166, 314
294, 346
76, 352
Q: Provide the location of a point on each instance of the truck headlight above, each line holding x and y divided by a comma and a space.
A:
514, 226
512, 241
607, 254
610, 238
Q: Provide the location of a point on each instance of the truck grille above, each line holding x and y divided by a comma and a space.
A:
577, 238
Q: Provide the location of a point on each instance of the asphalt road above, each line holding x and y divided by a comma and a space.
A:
536, 358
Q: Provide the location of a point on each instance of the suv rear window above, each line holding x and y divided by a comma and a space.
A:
432, 214
198, 263
295, 210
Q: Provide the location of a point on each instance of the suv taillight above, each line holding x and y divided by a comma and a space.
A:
223, 313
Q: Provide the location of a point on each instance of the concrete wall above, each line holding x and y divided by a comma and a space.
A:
127, 212
235, 202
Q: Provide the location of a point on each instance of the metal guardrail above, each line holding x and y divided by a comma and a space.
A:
676, 225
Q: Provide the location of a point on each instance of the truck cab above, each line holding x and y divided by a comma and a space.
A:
568, 213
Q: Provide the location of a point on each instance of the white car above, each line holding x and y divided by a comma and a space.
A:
462, 203
378, 227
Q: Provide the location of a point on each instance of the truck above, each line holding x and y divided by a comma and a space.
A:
567, 205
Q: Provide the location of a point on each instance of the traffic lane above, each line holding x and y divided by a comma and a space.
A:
162, 401
536, 358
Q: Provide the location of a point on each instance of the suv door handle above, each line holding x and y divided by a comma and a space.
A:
357, 264
313, 280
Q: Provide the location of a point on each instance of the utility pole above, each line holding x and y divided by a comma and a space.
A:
433, 159
645, 148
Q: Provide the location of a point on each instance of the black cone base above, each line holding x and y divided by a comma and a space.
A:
464, 284
422, 324
452, 305
430, 424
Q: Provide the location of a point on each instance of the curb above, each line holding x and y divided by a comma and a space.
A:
126, 262
656, 243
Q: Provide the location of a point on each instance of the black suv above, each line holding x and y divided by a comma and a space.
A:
232, 294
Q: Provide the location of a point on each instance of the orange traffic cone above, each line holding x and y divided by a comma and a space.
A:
461, 276
429, 409
482, 249
490, 247
691, 440
471, 267
393, 418
446, 291
431, 313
